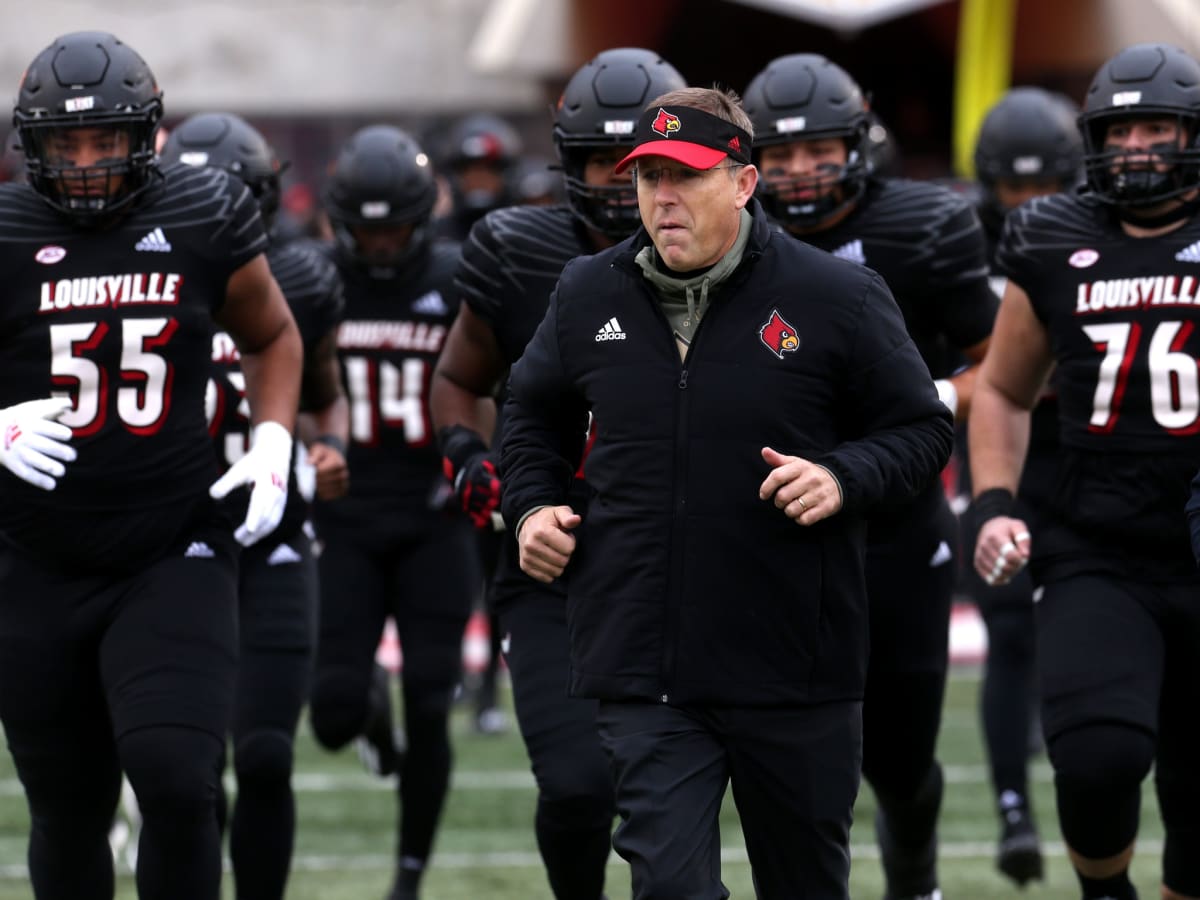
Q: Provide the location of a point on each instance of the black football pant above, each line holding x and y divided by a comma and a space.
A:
1120, 690
277, 633
428, 586
575, 805
910, 585
100, 674
794, 773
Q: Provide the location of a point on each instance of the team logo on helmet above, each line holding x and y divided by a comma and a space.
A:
779, 336
665, 123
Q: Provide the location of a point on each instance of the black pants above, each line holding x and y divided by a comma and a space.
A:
794, 773
910, 583
575, 808
100, 674
1120, 655
428, 586
277, 612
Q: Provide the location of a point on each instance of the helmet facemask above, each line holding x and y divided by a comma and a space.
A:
837, 187
106, 184
609, 209
1169, 171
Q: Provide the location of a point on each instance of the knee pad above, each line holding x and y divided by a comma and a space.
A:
174, 771
337, 710
427, 700
263, 756
1098, 771
584, 812
575, 783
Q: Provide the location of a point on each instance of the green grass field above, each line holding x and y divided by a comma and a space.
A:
486, 848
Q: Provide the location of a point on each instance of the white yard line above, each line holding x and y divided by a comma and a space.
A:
508, 780
529, 860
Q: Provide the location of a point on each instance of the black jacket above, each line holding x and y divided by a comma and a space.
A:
685, 587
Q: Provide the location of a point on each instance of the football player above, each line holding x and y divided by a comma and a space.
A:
812, 146
391, 547
277, 585
510, 265
1103, 286
118, 639
1028, 146
480, 164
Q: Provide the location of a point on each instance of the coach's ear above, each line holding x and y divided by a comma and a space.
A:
747, 181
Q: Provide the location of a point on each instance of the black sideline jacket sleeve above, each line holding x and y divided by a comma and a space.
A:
545, 426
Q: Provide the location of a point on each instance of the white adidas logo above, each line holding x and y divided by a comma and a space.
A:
852, 251
199, 550
155, 241
431, 304
610, 331
1191, 253
283, 555
942, 555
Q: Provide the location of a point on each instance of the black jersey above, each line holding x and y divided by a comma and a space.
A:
119, 320
927, 243
388, 343
313, 289
510, 265
1122, 316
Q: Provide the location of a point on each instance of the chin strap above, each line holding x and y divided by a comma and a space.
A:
1184, 211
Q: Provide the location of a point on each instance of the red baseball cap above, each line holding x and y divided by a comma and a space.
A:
687, 135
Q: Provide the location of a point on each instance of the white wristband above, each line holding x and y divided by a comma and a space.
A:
948, 394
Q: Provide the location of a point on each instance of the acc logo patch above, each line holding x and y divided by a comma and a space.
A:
50, 254
665, 123
1081, 259
779, 336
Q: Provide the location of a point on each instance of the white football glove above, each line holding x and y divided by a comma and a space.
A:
265, 469
33, 445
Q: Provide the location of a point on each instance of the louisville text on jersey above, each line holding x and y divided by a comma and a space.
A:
1123, 293
110, 290
388, 335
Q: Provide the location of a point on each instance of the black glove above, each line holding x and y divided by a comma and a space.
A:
469, 466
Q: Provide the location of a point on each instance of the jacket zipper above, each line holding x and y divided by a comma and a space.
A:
677, 568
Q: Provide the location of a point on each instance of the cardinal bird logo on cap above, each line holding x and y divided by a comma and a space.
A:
779, 336
665, 123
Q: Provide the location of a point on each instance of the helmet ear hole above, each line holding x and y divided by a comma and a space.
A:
88, 83
599, 109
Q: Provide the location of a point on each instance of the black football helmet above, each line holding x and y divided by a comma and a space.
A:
228, 142
599, 108
88, 80
1029, 134
380, 177
487, 139
1142, 81
801, 97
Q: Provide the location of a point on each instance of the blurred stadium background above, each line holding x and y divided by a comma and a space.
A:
309, 73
